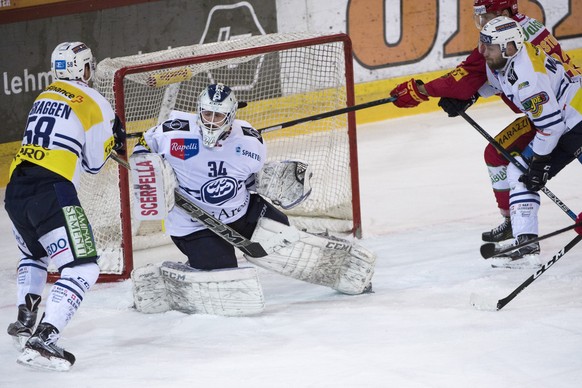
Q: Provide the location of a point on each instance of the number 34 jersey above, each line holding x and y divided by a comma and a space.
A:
69, 129
216, 179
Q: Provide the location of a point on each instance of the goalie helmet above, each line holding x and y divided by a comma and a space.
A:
492, 7
502, 30
217, 107
69, 59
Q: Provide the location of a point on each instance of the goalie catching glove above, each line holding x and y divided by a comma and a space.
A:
286, 183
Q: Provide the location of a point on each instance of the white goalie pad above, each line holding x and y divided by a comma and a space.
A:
226, 292
174, 286
286, 183
152, 183
149, 291
317, 259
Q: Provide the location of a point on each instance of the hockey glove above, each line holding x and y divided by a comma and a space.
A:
119, 136
408, 95
454, 106
537, 174
578, 229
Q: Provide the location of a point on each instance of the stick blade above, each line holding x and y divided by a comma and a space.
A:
488, 250
482, 303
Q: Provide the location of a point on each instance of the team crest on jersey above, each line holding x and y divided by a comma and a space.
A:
534, 103
511, 75
184, 148
219, 191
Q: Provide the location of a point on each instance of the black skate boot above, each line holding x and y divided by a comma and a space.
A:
524, 257
41, 350
21, 330
500, 233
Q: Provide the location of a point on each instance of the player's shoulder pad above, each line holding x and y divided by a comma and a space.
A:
248, 130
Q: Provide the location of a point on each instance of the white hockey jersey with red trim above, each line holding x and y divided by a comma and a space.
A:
540, 87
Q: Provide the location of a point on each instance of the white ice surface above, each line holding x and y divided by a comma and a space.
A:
425, 201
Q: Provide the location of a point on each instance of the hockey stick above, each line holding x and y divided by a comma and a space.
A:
481, 304
513, 161
319, 116
331, 113
488, 250
231, 236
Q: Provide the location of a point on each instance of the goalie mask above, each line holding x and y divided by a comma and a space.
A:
485, 10
69, 60
502, 31
217, 107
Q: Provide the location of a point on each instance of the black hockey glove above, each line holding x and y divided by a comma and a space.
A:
537, 174
454, 106
119, 136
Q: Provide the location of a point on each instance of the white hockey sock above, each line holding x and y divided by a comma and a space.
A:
68, 292
31, 278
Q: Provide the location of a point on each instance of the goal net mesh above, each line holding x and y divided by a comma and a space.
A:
282, 77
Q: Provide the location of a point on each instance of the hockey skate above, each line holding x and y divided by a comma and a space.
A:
21, 330
41, 350
500, 233
526, 257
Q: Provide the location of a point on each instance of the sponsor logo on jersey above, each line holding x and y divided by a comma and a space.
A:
219, 191
523, 85
534, 103
184, 148
250, 154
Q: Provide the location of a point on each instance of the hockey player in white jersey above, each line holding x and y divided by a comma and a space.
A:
71, 128
542, 89
216, 159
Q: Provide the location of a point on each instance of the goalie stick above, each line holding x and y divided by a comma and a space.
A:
315, 117
253, 249
489, 250
513, 161
482, 304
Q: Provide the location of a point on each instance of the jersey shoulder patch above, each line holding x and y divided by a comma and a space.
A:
176, 125
250, 131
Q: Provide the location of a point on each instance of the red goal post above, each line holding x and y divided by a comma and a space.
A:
282, 77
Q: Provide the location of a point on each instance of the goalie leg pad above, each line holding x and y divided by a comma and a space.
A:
226, 292
318, 259
149, 290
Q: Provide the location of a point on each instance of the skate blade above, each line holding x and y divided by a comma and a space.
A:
34, 359
526, 262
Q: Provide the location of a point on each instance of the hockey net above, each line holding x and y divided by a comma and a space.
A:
282, 77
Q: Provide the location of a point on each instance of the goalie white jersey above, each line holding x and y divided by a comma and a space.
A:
216, 179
